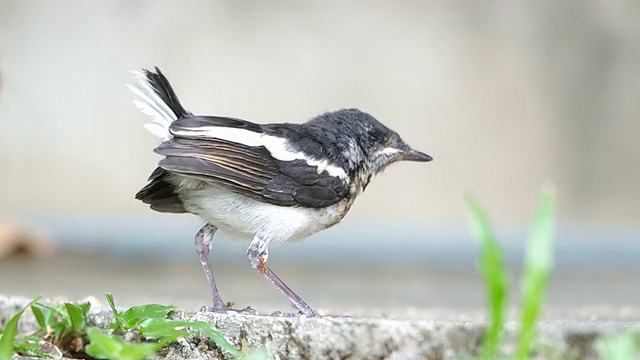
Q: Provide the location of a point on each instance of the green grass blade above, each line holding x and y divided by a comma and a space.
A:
619, 347
116, 316
10, 331
537, 267
494, 273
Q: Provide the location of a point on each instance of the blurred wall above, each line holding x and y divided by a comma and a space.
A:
505, 95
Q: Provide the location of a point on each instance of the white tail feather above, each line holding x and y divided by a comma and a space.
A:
152, 105
157, 130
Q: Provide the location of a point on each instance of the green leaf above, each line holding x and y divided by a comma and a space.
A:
131, 318
135, 315
160, 328
10, 331
215, 336
105, 346
537, 267
40, 319
494, 273
77, 315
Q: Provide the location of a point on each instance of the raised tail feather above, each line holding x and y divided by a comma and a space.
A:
158, 100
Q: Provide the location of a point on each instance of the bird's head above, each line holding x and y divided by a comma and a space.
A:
380, 145
388, 147
361, 144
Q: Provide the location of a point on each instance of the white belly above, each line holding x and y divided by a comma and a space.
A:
244, 218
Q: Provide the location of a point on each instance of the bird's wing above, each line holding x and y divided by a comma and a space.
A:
237, 155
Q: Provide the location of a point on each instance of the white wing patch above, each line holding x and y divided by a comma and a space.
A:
152, 105
277, 146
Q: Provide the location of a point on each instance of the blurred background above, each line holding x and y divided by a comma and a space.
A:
505, 95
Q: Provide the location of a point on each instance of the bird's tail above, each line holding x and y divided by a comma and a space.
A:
157, 100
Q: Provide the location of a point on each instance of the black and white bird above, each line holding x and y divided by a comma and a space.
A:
269, 184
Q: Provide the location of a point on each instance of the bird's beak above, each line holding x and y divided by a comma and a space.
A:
414, 155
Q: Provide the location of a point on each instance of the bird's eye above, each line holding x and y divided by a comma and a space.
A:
387, 139
382, 137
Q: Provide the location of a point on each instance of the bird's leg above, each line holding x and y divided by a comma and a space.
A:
258, 253
203, 247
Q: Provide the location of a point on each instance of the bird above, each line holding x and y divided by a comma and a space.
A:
267, 184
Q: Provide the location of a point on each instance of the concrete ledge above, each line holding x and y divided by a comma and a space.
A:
358, 338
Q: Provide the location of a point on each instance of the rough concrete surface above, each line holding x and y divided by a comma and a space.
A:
357, 338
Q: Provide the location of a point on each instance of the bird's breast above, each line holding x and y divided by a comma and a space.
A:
245, 218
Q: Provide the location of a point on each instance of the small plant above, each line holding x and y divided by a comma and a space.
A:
61, 331
494, 273
62, 325
537, 267
135, 334
538, 263
142, 323
9, 334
